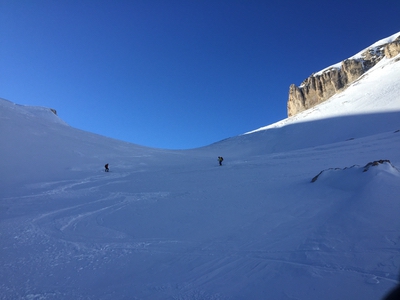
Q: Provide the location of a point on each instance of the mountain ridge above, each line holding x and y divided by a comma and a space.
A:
322, 85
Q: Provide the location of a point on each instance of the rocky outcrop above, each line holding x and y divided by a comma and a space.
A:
366, 168
319, 87
393, 49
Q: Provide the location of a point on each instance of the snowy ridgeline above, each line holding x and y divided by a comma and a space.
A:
374, 48
175, 225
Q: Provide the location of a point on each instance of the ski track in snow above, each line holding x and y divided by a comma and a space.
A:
175, 225
59, 234
73, 236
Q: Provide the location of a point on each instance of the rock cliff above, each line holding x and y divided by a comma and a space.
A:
321, 86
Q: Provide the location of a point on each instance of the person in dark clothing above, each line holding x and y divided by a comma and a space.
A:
220, 159
106, 168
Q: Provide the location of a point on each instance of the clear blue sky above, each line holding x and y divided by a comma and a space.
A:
176, 74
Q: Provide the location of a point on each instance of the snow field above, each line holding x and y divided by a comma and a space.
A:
168, 224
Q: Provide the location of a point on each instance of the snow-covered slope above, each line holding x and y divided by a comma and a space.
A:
377, 46
174, 225
371, 105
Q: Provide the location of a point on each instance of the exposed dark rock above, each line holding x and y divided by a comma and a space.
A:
394, 294
376, 163
365, 168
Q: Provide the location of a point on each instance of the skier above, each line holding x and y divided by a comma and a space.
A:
106, 168
220, 159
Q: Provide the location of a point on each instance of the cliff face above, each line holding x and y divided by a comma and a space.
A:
392, 49
319, 87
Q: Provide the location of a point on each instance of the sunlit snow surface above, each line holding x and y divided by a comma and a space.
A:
175, 225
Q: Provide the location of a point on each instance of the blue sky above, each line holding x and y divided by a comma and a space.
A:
176, 74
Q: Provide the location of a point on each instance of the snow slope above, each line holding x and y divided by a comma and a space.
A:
375, 47
166, 224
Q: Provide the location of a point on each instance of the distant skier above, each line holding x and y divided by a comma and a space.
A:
220, 159
106, 169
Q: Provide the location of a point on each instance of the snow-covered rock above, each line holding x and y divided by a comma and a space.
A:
322, 85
